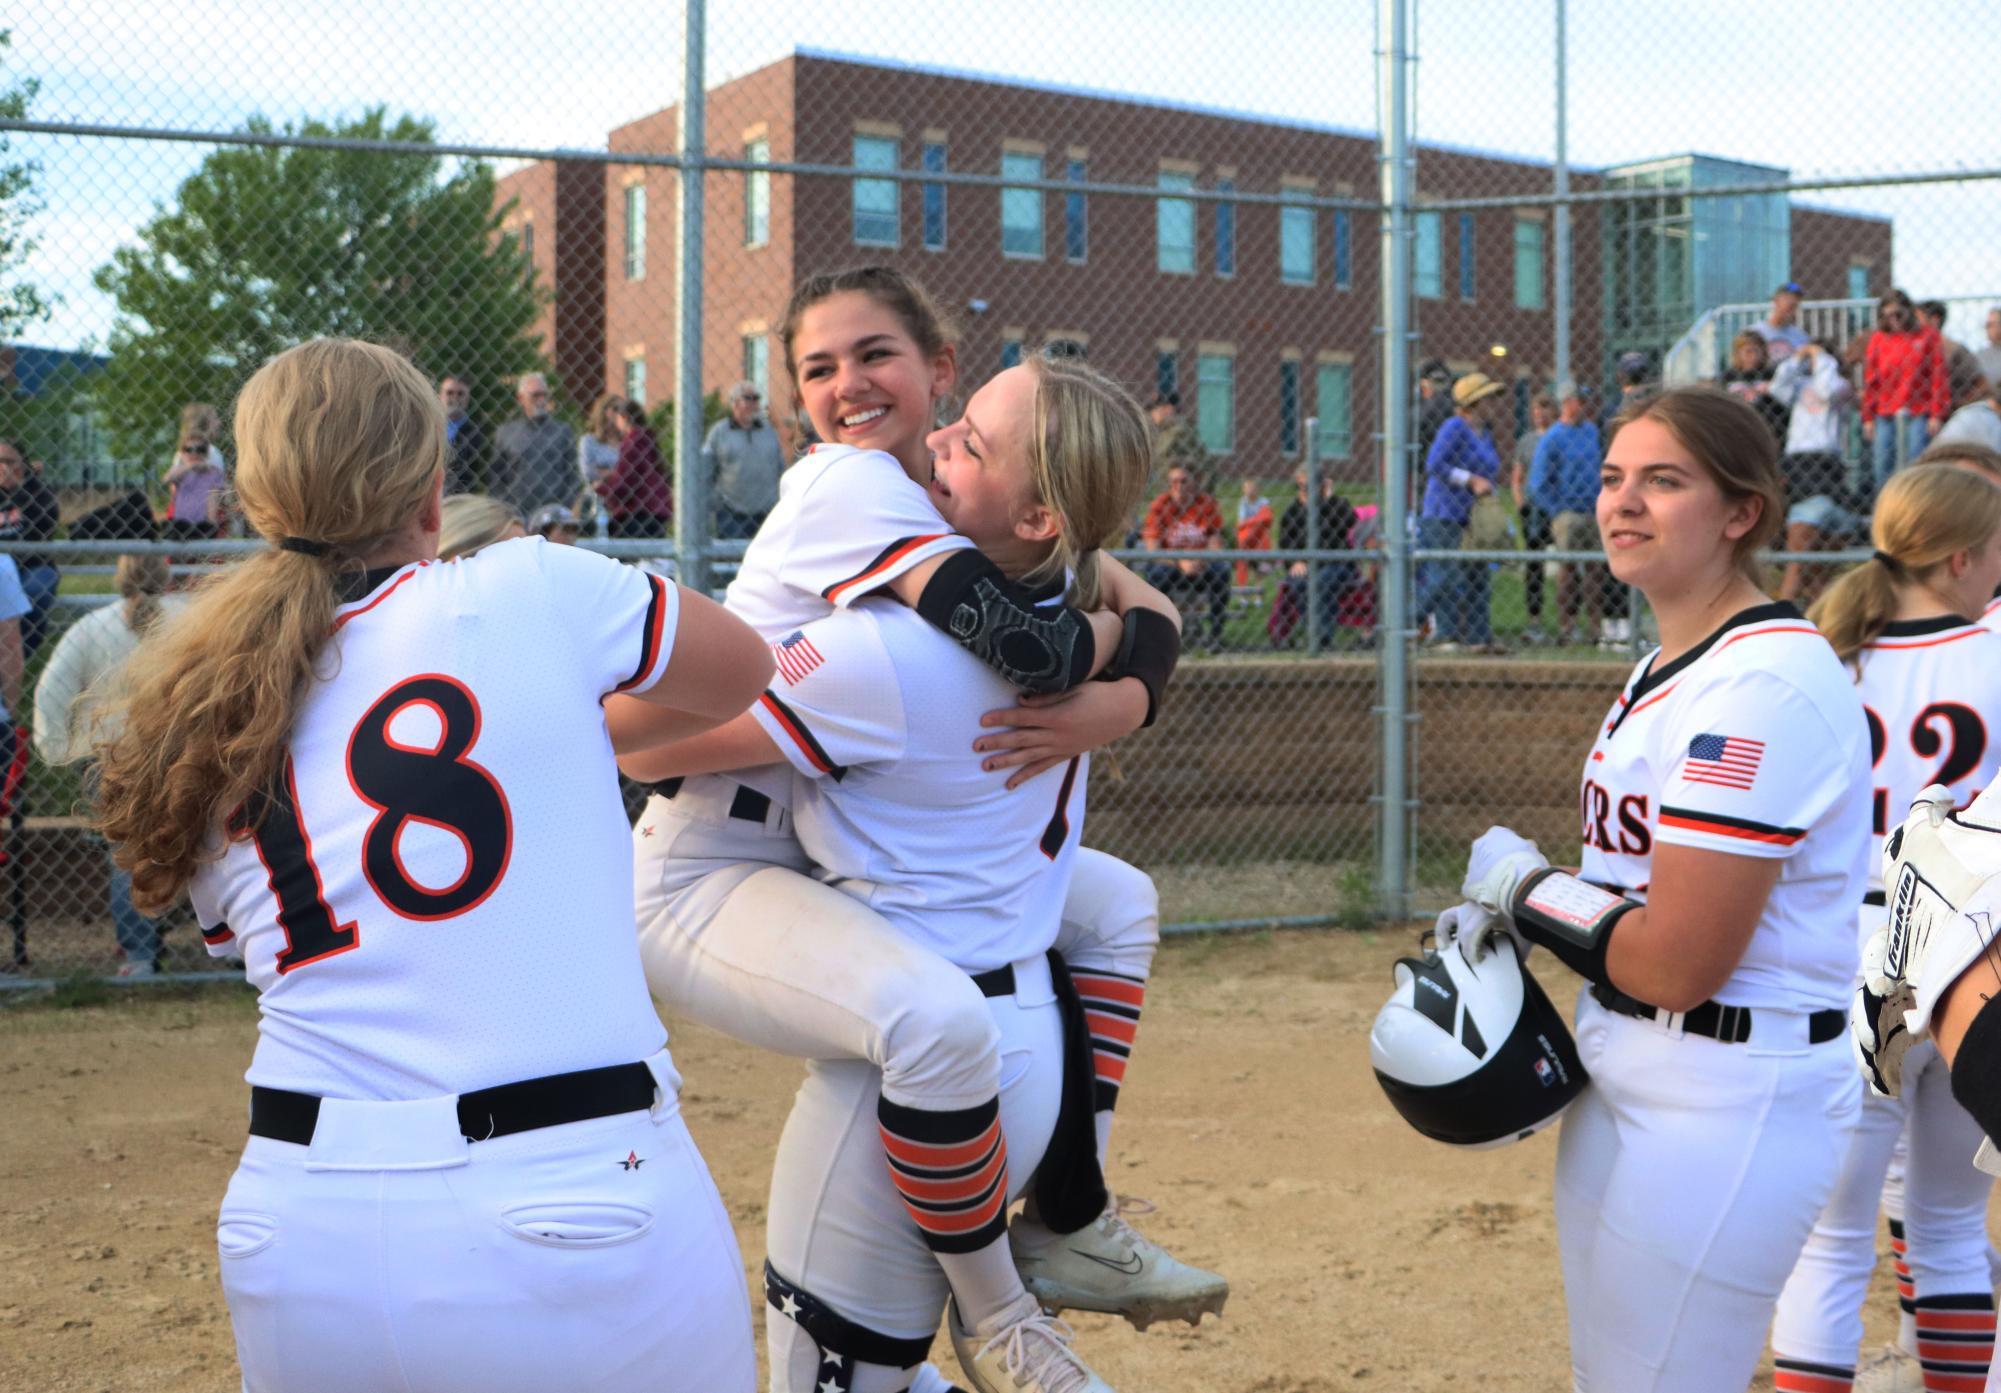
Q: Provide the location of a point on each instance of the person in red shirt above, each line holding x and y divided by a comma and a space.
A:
1254, 523
1906, 394
1187, 519
635, 492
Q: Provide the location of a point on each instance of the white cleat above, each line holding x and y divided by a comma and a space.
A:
1890, 1370
1110, 1266
1021, 1350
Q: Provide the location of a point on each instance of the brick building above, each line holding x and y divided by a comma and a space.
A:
1259, 314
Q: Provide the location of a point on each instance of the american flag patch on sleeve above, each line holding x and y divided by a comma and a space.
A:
1725, 760
796, 658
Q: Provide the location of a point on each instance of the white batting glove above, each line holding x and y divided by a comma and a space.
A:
1498, 863
1876, 1021
1472, 929
1933, 866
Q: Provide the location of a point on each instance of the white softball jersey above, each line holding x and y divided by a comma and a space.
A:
1753, 743
877, 712
438, 899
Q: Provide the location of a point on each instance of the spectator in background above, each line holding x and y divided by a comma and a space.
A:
1820, 509
1184, 518
1254, 522
1977, 422
1905, 393
1535, 522
465, 442
555, 522
635, 493
742, 458
597, 453
1434, 404
1461, 467
1989, 355
196, 478
1563, 483
1332, 578
470, 521
532, 453
1616, 602
1779, 328
79, 673
1176, 445
28, 513
1749, 379
1962, 369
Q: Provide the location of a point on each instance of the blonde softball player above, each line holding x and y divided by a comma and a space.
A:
957, 864
1725, 819
466, 1168
736, 935
1930, 680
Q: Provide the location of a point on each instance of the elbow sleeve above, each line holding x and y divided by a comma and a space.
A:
1037, 648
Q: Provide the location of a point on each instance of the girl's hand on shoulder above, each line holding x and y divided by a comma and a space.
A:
1041, 732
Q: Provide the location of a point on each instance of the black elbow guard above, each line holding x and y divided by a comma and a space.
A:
1572, 918
1148, 651
1976, 1072
1037, 648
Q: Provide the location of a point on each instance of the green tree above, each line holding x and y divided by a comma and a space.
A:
21, 304
264, 247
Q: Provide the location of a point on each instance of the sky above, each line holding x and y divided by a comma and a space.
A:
1825, 88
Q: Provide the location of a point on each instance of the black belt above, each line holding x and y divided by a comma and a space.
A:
1875, 897
999, 982
501, 1111
1728, 1025
748, 806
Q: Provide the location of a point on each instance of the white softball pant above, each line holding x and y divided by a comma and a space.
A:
390, 1255
736, 934
1944, 1214
1687, 1178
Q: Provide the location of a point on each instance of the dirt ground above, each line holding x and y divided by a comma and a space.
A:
1361, 1255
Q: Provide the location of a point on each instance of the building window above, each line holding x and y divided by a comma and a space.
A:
635, 380
1858, 282
1216, 402
1226, 229
1010, 352
877, 205
1174, 225
1334, 406
1064, 348
1295, 245
934, 197
528, 240
1427, 270
757, 362
1076, 216
1528, 264
757, 195
1288, 407
635, 232
1465, 256
1021, 209
1166, 372
1344, 249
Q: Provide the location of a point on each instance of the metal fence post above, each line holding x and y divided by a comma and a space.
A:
691, 494
1311, 461
1560, 214
1393, 159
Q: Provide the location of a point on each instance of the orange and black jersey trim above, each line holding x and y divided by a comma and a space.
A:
1653, 682
796, 730
868, 576
1716, 824
653, 630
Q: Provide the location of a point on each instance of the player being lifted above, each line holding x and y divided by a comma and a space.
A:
1725, 819
467, 1168
737, 935
1930, 680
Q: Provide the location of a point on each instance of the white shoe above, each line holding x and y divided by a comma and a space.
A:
1889, 1370
929, 1380
1110, 1266
139, 967
1021, 1350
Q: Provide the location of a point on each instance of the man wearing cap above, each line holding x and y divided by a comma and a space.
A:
1461, 466
1563, 483
1779, 329
553, 522
533, 454
744, 457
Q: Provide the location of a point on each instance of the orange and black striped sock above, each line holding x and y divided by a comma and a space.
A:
951, 1170
1112, 1003
1799, 1376
1955, 1341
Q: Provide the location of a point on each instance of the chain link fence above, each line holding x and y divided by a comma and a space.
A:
1310, 240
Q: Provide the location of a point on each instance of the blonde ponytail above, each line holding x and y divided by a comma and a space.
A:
1925, 515
339, 443
1090, 453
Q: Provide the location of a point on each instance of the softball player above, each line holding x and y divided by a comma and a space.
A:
1724, 812
734, 933
466, 1168
1930, 680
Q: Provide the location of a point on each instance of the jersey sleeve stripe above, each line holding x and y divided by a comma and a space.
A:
885, 560
221, 933
652, 630
1717, 824
788, 721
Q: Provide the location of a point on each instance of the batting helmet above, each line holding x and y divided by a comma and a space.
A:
1468, 1047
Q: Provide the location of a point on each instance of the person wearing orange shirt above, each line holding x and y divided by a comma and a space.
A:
1187, 519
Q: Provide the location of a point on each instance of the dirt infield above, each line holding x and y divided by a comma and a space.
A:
1361, 1255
